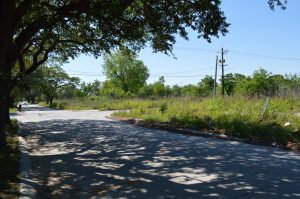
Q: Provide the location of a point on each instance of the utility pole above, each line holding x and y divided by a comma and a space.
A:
222, 61
215, 83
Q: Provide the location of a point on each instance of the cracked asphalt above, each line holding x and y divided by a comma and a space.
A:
83, 154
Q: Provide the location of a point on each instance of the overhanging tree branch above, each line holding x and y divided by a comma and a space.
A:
35, 63
48, 22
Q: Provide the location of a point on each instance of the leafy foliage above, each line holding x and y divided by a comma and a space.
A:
54, 81
206, 86
280, 3
125, 71
229, 83
89, 89
111, 90
59, 30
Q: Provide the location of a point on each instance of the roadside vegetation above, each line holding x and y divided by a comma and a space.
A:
239, 112
9, 165
238, 116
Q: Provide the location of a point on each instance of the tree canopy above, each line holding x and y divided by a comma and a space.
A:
54, 81
58, 30
125, 71
206, 85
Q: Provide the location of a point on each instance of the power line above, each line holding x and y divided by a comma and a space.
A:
243, 53
264, 56
96, 75
187, 71
199, 75
195, 49
83, 73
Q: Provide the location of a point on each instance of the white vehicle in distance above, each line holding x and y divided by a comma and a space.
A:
24, 103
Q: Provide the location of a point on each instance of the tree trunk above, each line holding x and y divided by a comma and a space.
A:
51, 101
3, 144
4, 108
32, 99
7, 9
7, 116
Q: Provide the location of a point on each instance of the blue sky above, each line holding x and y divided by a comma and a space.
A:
257, 38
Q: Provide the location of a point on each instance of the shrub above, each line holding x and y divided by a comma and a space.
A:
163, 107
53, 105
61, 106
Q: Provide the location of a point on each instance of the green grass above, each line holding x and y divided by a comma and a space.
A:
13, 110
9, 166
104, 104
236, 116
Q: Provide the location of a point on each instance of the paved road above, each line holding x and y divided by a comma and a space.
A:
82, 154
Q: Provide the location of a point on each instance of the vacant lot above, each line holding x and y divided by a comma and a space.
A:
232, 115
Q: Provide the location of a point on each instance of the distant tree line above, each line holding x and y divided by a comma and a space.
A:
127, 76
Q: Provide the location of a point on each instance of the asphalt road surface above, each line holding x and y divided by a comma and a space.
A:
83, 154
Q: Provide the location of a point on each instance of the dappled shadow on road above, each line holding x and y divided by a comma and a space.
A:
13, 114
104, 159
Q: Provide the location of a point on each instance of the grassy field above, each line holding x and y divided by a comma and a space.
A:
9, 166
240, 117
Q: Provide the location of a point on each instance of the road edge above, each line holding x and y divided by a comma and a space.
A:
26, 190
201, 133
